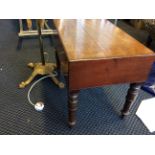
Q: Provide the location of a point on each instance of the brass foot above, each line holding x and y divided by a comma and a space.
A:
22, 85
61, 85
39, 69
31, 65
29, 80
57, 82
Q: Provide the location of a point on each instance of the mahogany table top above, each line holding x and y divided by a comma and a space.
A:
97, 39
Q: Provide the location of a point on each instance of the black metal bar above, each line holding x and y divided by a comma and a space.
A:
41, 42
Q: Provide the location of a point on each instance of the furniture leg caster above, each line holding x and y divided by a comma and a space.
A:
71, 124
124, 114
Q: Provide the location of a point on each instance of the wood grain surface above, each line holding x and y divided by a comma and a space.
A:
97, 39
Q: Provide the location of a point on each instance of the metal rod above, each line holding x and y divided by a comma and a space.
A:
32, 33
41, 42
46, 25
21, 25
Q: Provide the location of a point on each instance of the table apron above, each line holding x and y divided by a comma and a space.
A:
95, 73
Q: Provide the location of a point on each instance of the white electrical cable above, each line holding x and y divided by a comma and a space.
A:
39, 105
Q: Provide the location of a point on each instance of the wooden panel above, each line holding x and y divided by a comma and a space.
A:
105, 72
97, 39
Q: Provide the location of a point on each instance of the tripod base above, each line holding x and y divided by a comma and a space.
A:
39, 69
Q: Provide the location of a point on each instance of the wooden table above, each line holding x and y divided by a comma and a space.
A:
98, 54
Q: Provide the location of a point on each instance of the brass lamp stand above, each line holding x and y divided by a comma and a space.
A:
42, 68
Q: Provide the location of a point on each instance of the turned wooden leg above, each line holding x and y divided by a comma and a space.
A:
130, 98
72, 107
58, 62
149, 41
